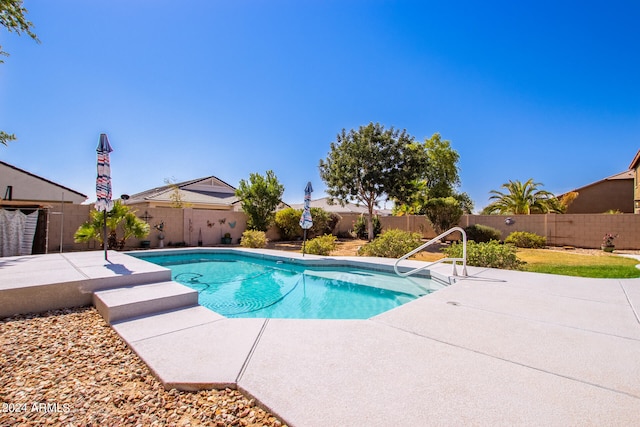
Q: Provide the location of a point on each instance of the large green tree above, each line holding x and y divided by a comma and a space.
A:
522, 198
12, 17
442, 174
260, 196
439, 179
435, 192
370, 163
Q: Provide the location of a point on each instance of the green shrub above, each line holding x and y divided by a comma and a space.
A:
323, 222
253, 239
489, 254
360, 227
288, 223
482, 233
391, 244
322, 245
523, 239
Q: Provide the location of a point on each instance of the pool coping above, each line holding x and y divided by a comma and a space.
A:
499, 347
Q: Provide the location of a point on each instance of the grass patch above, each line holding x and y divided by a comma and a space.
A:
567, 264
601, 266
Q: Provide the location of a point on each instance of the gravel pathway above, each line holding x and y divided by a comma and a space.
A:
68, 367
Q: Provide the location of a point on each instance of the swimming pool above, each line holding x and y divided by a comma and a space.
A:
239, 285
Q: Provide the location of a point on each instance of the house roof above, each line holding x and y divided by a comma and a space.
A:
209, 191
43, 179
619, 176
347, 208
622, 175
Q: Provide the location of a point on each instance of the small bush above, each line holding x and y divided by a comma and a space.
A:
523, 239
360, 227
322, 245
288, 223
489, 254
482, 233
253, 239
391, 244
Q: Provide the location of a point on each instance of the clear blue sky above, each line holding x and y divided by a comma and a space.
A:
548, 90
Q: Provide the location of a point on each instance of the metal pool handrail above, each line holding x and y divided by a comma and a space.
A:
430, 242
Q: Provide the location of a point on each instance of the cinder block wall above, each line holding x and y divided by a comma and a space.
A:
579, 230
66, 220
185, 225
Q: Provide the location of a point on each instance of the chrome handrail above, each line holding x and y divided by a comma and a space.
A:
430, 242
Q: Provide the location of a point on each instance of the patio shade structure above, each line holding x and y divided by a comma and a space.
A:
103, 185
306, 222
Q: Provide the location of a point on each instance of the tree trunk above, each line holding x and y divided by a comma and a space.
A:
370, 222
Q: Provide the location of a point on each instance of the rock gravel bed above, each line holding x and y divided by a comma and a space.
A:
68, 367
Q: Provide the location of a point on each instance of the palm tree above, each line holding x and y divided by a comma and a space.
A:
522, 198
132, 226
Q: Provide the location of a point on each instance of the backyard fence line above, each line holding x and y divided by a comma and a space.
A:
577, 230
191, 227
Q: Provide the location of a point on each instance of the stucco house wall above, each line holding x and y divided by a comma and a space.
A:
25, 186
602, 196
635, 169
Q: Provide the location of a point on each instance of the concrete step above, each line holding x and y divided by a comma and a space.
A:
133, 301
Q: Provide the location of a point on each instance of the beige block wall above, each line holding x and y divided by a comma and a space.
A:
184, 225
180, 225
213, 225
531, 223
66, 220
418, 223
584, 230
578, 230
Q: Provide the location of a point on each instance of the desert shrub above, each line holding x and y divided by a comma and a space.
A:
360, 227
323, 222
488, 254
523, 239
253, 239
391, 244
288, 223
482, 233
321, 245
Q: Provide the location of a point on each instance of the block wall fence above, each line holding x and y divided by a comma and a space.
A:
190, 226
578, 230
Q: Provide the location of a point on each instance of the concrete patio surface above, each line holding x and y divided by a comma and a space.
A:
36, 283
497, 348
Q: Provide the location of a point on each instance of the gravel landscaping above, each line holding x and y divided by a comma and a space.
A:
68, 367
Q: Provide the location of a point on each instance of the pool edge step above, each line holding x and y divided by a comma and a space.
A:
121, 303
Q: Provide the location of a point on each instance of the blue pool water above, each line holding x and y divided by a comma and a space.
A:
241, 286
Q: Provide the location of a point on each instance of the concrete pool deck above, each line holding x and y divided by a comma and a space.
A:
497, 348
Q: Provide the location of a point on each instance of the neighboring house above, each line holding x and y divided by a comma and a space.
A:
337, 208
203, 193
635, 169
26, 201
614, 193
19, 187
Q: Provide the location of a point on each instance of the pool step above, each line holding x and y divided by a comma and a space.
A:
131, 301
